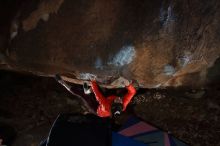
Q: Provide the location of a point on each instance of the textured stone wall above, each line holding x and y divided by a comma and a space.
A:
158, 43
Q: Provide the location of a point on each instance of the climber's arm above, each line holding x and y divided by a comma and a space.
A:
99, 97
127, 98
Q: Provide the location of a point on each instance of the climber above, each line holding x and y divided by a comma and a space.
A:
112, 106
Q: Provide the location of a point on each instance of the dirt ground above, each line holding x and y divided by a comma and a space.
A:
30, 104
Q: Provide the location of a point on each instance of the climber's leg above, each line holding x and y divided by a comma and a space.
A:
88, 100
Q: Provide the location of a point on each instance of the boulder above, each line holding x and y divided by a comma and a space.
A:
158, 43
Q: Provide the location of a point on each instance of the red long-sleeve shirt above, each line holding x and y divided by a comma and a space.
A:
104, 109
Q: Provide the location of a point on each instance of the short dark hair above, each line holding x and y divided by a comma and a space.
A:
116, 109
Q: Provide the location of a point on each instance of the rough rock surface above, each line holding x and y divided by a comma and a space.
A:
30, 104
158, 43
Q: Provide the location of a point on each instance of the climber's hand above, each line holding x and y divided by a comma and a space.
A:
125, 83
135, 84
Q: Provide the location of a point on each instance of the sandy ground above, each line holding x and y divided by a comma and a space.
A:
30, 104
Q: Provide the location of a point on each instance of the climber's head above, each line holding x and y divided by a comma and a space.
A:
117, 107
